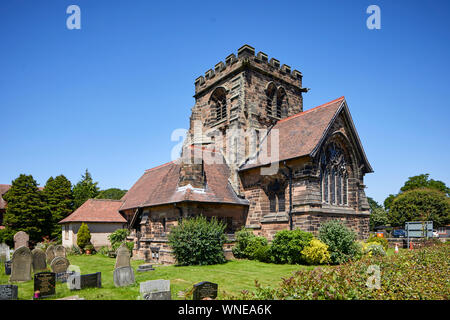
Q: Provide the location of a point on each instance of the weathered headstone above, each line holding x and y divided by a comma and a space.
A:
60, 251
4, 252
50, 253
45, 282
21, 239
8, 292
123, 276
155, 290
59, 264
21, 265
123, 256
39, 260
93, 280
145, 268
204, 290
8, 267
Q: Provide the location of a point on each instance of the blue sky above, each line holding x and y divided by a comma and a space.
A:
107, 97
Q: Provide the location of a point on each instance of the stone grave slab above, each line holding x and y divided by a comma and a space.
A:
8, 267
50, 253
63, 277
123, 256
21, 265
45, 282
60, 251
59, 264
155, 290
38, 260
4, 252
8, 292
123, 276
92, 280
204, 290
21, 239
145, 268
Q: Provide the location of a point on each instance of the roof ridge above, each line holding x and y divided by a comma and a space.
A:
160, 166
312, 109
105, 200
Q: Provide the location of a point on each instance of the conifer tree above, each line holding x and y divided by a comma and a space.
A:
26, 209
85, 189
58, 197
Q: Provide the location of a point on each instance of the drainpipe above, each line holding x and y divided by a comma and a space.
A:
291, 227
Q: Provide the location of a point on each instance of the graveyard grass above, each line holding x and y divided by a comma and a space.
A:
232, 277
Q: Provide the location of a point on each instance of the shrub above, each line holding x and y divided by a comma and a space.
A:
341, 241
243, 237
118, 237
262, 254
287, 246
104, 251
74, 250
254, 244
374, 249
197, 241
410, 275
316, 252
381, 241
83, 236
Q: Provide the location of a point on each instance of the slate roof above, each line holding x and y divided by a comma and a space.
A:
159, 186
3, 189
97, 210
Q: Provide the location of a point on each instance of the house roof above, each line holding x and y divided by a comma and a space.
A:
303, 133
97, 210
159, 186
3, 189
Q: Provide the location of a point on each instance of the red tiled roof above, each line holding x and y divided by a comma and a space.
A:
159, 186
97, 210
301, 133
3, 189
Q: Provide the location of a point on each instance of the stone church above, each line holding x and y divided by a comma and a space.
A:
253, 158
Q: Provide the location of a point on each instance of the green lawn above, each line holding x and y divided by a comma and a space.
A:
232, 277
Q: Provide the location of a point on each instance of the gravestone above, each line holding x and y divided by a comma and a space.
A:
4, 252
50, 253
45, 282
122, 256
21, 265
123, 276
59, 264
39, 260
155, 290
145, 268
60, 251
204, 290
93, 280
8, 292
21, 240
8, 267
62, 277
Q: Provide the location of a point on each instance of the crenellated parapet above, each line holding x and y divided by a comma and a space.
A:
246, 58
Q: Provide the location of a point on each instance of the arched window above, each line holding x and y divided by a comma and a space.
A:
218, 102
270, 93
277, 197
281, 102
334, 176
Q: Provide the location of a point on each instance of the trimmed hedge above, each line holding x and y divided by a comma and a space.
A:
287, 246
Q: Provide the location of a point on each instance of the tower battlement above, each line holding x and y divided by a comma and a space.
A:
246, 58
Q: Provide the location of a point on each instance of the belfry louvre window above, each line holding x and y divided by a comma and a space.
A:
334, 177
218, 102
270, 92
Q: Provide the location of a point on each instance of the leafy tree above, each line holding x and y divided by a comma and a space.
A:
58, 197
83, 236
26, 210
378, 217
420, 205
112, 193
423, 181
85, 189
388, 201
118, 237
373, 204
341, 241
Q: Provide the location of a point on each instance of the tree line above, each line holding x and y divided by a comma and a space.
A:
420, 199
37, 211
